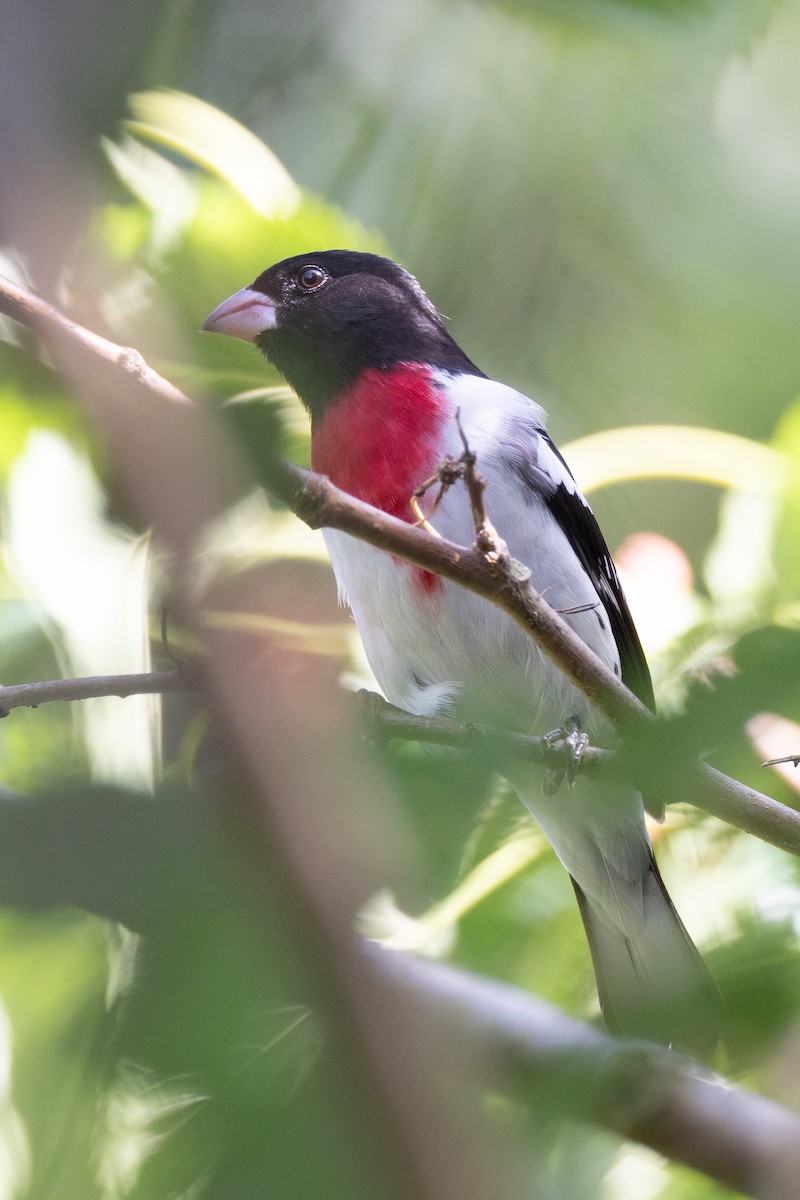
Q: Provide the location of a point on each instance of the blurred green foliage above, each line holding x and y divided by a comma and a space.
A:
603, 198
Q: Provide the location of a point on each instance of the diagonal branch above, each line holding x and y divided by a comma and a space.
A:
317, 502
640, 1091
320, 504
490, 574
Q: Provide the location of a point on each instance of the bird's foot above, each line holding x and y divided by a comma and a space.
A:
570, 742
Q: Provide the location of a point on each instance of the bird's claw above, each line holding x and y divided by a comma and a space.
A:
570, 742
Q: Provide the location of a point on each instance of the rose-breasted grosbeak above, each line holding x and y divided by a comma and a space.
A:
382, 378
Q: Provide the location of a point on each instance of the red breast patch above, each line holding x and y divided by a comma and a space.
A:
381, 439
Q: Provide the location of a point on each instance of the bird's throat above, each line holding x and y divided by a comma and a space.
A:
382, 438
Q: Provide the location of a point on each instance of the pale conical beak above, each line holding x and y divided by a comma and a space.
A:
243, 315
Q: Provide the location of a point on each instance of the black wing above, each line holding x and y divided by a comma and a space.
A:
580, 526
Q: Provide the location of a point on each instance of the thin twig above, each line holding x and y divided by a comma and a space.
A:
794, 759
185, 678
449, 471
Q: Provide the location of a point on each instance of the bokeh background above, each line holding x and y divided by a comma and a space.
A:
604, 199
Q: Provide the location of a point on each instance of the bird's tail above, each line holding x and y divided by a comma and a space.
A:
651, 979
653, 983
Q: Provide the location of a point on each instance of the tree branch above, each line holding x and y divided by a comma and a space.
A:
90, 687
390, 722
640, 1091
383, 719
320, 504
317, 502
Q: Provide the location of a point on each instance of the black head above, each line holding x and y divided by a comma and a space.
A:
324, 317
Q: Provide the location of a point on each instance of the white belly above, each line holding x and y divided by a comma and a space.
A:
446, 650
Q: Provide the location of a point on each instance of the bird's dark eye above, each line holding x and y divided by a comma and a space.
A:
310, 278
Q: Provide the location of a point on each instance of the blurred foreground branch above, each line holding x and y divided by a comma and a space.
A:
499, 1036
316, 501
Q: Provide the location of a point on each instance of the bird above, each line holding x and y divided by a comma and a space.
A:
391, 394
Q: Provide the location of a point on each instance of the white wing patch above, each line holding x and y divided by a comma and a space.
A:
487, 409
552, 469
